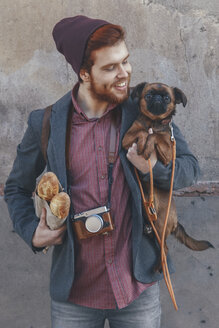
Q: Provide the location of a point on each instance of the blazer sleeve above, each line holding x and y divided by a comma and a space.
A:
187, 168
28, 165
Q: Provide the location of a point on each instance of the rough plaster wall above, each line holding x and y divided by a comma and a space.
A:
175, 42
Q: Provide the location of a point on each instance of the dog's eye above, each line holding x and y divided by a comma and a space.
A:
167, 99
148, 96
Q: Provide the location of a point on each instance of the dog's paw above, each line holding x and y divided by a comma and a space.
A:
140, 147
147, 153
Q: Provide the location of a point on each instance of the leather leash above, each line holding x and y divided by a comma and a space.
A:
152, 216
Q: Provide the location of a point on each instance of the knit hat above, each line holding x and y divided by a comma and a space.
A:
71, 35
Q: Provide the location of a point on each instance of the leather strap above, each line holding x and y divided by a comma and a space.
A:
45, 131
112, 157
152, 217
112, 147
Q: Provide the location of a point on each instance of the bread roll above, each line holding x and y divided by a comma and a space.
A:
48, 186
60, 205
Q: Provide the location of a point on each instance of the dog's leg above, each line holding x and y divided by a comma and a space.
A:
137, 134
131, 135
149, 145
164, 148
141, 142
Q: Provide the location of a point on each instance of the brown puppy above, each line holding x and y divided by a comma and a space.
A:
157, 104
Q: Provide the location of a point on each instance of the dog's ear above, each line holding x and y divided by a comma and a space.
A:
180, 97
137, 90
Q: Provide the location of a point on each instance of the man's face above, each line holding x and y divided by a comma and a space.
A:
110, 74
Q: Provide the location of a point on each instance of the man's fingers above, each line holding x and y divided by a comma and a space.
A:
44, 236
134, 146
132, 150
59, 239
58, 235
61, 230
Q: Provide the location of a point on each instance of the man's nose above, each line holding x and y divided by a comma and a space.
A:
122, 72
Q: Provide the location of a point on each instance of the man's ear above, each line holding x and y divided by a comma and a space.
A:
84, 75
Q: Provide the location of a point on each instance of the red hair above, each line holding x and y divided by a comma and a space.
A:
105, 36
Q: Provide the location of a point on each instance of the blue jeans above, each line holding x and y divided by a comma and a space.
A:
144, 312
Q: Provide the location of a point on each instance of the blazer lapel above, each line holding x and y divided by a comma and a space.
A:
129, 114
58, 124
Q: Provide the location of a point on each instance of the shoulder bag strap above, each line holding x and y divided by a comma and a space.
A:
112, 158
45, 131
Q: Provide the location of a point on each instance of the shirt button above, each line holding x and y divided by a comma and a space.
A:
110, 261
100, 148
103, 176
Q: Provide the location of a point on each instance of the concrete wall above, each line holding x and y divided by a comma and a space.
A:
175, 42
172, 41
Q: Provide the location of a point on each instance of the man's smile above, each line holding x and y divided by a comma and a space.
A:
121, 85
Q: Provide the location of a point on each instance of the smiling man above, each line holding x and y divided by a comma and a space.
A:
108, 80
102, 265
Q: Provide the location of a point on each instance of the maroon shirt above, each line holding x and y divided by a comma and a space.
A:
103, 267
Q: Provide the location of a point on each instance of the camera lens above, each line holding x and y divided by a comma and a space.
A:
94, 223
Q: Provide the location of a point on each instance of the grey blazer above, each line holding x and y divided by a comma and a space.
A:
29, 164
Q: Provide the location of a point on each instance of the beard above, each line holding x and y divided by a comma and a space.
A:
107, 94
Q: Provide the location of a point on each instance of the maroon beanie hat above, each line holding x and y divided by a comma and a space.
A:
71, 35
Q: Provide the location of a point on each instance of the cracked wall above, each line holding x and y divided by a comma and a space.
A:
175, 42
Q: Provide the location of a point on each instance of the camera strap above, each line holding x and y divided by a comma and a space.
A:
112, 157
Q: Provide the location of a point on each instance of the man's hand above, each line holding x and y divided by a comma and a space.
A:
44, 236
138, 161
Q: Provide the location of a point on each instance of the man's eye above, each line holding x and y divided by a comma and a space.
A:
125, 62
109, 68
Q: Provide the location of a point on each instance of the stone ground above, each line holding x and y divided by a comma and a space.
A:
24, 282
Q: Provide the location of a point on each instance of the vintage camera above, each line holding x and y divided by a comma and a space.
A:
92, 222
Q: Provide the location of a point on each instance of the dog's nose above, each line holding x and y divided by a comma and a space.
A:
158, 98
